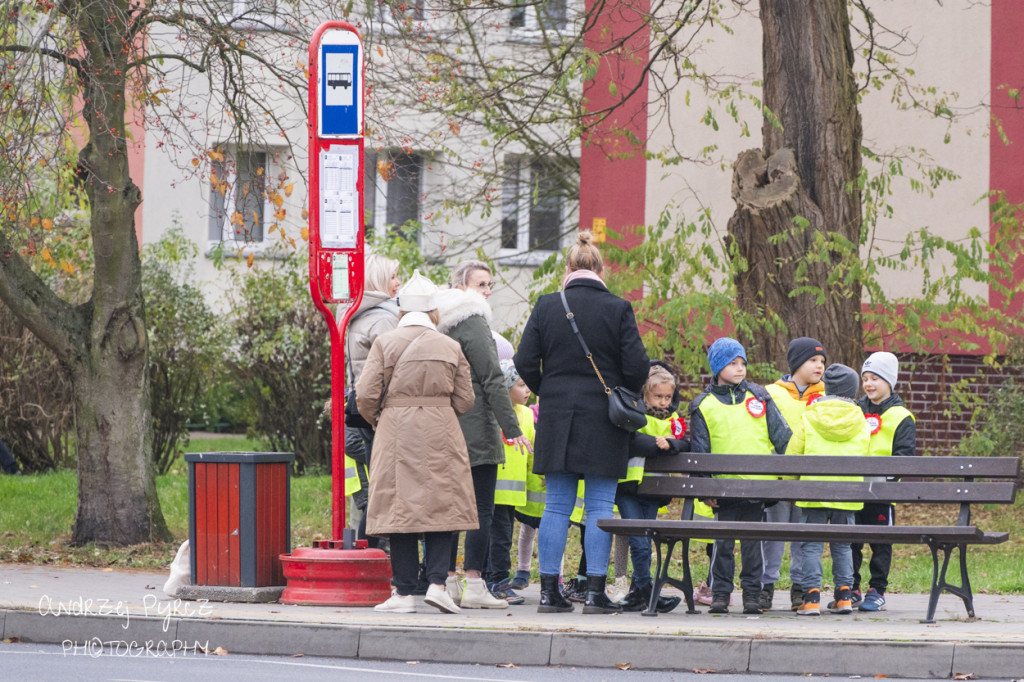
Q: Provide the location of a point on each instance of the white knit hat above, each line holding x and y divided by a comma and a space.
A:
884, 365
418, 295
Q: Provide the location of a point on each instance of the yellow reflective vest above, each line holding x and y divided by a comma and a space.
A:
816, 444
510, 488
790, 406
655, 427
352, 484
740, 429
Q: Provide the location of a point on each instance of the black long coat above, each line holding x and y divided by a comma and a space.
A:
573, 431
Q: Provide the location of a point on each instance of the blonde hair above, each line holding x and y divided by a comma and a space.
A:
378, 271
658, 375
462, 271
583, 255
434, 315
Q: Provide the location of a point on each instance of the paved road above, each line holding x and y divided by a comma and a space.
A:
46, 662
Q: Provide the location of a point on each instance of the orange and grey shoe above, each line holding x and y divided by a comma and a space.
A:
812, 603
843, 602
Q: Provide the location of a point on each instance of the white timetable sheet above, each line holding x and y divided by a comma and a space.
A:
339, 201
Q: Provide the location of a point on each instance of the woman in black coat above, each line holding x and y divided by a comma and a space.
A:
575, 438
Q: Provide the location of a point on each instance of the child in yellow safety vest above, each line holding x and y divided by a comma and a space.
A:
793, 394
734, 416
510, 492
833, 425
893, 432
664, 434
529, 514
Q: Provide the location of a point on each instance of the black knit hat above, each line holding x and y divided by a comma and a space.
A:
801, 350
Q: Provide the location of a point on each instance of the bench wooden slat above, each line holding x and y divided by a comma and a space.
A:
786, 465
1002, 492
802, 532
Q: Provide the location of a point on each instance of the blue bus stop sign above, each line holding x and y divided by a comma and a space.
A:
340, 86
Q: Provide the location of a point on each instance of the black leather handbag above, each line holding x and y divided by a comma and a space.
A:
626, 408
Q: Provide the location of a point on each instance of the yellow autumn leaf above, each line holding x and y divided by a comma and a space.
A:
455, 127
380, 50
280, 213
292, 242
48, 257
67, 267
305, 214
195, 161
34, 222
47, 224
236, 219
241, 44
216, 154
250, 259
305, 234
278, 199
272, 228
288, 189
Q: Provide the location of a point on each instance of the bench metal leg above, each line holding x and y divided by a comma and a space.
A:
661, 575
963, 590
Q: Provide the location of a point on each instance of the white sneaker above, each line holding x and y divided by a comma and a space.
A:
477, 596
453, 586
396, 603
439, 598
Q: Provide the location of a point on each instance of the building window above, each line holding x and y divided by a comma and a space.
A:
238, 197
248, 13
392, 190
395, 15
532, 201
539, 17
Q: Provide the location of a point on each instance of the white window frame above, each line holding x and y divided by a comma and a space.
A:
228, 235
246, 14
531, 30
380, 197
522, 254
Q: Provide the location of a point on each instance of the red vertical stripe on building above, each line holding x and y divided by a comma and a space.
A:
613, 169
1006, 160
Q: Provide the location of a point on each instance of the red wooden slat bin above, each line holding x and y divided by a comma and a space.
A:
239, 517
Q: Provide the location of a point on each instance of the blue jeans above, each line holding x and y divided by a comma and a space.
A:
598, 500
634, 507
842, 556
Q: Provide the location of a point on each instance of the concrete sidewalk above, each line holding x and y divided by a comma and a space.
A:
123, 611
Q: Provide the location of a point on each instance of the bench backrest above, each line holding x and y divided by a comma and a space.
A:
686, 475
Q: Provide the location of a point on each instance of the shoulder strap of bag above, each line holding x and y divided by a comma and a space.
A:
576, 330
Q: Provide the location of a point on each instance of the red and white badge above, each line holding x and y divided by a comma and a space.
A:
678, 428
815, 398
756, 407
874, 421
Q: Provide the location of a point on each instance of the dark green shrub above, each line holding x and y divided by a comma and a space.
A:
187, 343
282, 360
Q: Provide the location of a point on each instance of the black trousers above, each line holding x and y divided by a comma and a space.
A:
499, 556
405, 559
485, 477
874, 514
723, 562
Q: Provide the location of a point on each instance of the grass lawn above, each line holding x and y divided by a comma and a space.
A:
37, 513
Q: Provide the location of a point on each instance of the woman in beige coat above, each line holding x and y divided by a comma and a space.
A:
414, 385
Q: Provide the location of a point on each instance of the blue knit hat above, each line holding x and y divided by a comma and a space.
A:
722, 352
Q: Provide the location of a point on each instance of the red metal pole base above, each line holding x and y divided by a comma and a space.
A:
336, 577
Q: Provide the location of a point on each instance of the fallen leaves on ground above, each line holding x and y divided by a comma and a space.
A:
624, 666
965, 676
507, 665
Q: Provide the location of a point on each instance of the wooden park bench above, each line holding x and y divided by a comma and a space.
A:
922, 480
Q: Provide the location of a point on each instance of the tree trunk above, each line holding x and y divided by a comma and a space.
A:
805, 169
117, 501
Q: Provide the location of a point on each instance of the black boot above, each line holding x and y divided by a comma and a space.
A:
551, 599
597, 600
767, 595
751, 601
636, 599
796, 598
